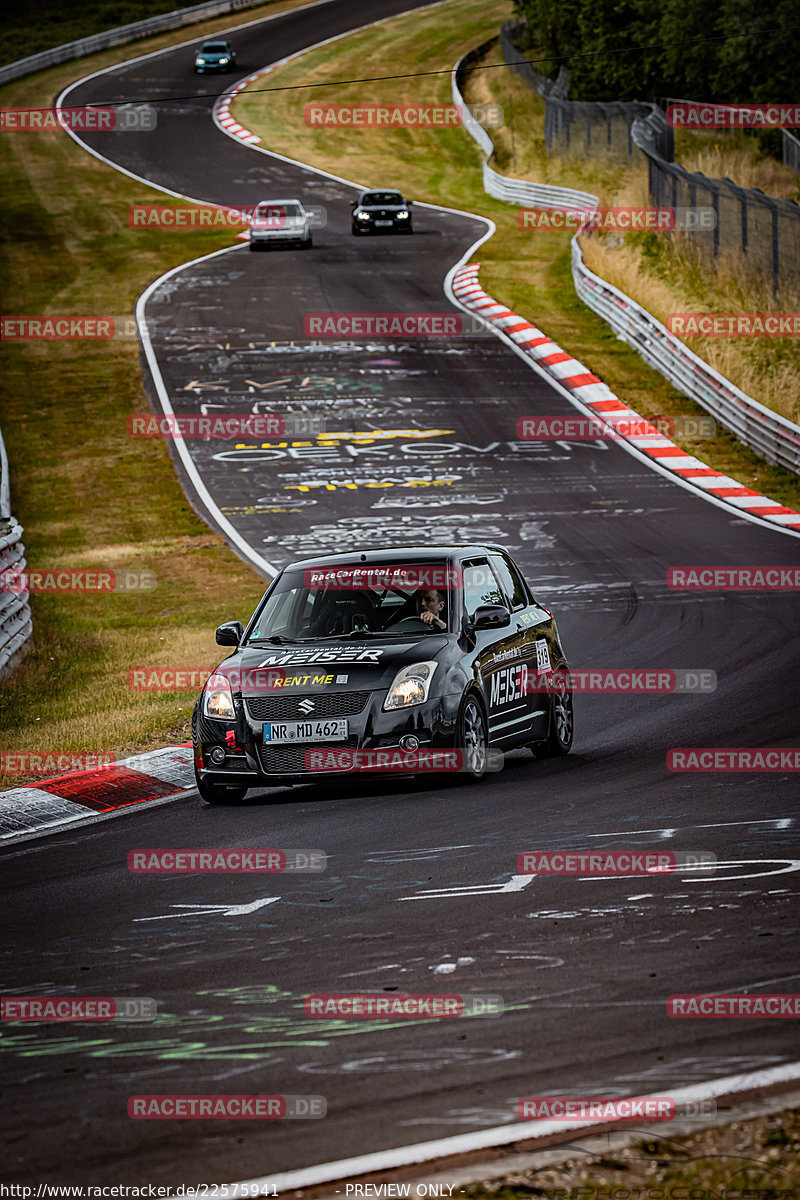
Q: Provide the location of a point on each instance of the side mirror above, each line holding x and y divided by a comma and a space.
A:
409, 203
491, 616
353, 203
230, 634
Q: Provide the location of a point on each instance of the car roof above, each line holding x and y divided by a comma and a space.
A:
386, 555
282, 200
215, 42
369, 191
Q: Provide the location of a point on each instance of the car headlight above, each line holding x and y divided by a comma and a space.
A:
362, 216
402, 214
411, 686
222, 62
217, 698
200, 62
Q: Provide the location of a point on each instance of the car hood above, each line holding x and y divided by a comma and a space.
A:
326, 666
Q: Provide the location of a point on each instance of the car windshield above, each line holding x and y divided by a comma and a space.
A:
360, 600
277, 211
214, 48
382, 198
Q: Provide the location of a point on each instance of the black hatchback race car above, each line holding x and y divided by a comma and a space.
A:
381, 212
408, 659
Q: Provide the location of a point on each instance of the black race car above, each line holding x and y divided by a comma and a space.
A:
416, 658
381, 212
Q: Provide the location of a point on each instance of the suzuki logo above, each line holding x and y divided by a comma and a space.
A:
306, 706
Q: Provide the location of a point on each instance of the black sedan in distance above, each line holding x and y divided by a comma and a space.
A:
410, 659
381, 212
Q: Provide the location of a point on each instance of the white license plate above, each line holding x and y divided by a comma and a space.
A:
278, 732
384, 222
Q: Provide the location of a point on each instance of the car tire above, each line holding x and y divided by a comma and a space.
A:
562, 726
307, 243
254, 246
472, 736
217, 793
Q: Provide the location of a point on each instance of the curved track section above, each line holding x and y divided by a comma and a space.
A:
416, 896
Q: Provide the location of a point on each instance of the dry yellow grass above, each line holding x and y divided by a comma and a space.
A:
673, 279
768, 369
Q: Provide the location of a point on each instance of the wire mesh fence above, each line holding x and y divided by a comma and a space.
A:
758, 231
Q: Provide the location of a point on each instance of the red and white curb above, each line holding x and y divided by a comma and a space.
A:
222, 113
81, 795
600, 400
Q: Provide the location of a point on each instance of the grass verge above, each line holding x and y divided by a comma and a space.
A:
87, 494
528, 272
758, 1159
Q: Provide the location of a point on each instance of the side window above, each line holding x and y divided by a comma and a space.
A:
513, 585
480, 587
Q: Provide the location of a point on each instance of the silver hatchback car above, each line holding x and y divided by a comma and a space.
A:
279, 221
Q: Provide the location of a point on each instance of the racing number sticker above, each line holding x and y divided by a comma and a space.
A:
542, 656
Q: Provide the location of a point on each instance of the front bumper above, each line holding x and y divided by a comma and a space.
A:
251, 763
264, 236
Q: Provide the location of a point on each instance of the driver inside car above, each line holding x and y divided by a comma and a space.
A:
428, 603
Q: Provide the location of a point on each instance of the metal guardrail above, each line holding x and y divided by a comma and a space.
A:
120, 35
772, 436
767, 433
791, 150
15, 611
515, 191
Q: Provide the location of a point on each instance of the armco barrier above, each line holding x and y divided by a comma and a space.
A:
772, 436
119, 36
515, 191
15, 610
767, 433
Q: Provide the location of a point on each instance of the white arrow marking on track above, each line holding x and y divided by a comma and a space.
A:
515, 884
213, 910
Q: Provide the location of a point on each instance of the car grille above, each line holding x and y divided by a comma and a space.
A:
326, 704
291, 760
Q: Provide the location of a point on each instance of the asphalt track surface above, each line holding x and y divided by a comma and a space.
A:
584, 965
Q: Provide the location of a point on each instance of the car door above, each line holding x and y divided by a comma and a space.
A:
500, 658
535, 624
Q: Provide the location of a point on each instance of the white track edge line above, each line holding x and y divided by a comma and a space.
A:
518, 1131
628, 447
245, 549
